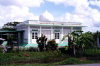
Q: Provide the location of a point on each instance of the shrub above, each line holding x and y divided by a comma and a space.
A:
0, 50
63, 50
41, 41
51, 45
31, 49
92, 52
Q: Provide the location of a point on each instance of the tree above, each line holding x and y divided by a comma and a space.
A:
41, 41
78, 41
71, 44
10, 26
87, 40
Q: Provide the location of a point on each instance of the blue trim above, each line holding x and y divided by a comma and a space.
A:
63, 44
36, 45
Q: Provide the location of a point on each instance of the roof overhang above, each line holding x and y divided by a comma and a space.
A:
53, 23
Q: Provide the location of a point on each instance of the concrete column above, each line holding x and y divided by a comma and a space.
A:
52, 33
81, 28
40, 31
18, 38
61, 33
19, 41
29, 38
71, 29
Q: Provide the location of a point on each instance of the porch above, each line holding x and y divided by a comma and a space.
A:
14, 38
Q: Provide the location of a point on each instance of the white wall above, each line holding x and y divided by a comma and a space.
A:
66, 30
49, 32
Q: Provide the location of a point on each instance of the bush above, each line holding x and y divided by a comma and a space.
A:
0, 50
51, 45
64, 50
31, 49
92, 52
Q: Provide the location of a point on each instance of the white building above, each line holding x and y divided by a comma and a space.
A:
51, 29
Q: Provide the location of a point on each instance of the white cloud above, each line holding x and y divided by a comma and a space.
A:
95, 2
77, 3
46, 16
83, 13
22, 3
13, 13
17, 10
56, 1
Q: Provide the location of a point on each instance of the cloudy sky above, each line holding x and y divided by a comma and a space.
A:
85, 11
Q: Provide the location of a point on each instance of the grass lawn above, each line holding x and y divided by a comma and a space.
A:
47, 58
31, 57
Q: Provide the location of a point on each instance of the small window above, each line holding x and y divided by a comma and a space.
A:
34, 35
56, 35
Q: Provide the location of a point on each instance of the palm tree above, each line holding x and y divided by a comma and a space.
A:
71, 46
41, 41
78, 41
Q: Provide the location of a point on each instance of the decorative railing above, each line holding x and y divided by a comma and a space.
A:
36, 22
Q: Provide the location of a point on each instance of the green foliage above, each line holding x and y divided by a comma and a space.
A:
83, 41
34, 64
52, 45
76, 61
10, 26
41, 41
48, 57
70, 61
78, 41
31, 49
94, 52
0, 50
86, 40
31, 57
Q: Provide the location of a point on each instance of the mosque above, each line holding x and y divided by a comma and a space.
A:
51, 29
